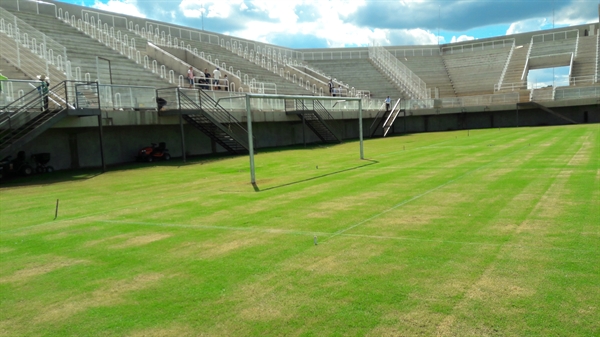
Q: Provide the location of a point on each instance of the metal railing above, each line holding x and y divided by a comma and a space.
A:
495, 44
511, 86
35, 107
31, 45
582, 80
512, 49
398, 72
124, 97
597, 55
555, 37
464, 101
568, 93
542, 94
31, 99
13, 91
321, 110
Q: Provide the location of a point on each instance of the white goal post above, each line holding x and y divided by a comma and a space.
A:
249, 96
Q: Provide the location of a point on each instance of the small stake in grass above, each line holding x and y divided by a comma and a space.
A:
56, 211
315, 240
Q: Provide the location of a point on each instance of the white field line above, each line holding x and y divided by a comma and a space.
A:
341, 231
89, 215
329, 234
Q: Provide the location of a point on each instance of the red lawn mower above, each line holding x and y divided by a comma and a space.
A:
154, 152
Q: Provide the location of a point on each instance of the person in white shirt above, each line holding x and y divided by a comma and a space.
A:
216, 77
387, 104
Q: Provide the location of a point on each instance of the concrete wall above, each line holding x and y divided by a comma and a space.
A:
78, 146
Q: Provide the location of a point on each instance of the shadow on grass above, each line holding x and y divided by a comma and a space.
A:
371, 162
90, 173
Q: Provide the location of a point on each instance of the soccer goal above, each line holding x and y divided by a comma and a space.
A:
300, 105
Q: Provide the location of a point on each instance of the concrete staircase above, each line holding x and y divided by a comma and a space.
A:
553, 47
584, 65
512, 78
361, 74
432, 70
11, 71
476, 72
251, 69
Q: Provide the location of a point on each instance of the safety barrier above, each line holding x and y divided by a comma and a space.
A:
398, 73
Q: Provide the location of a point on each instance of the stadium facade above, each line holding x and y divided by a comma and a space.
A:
107, 72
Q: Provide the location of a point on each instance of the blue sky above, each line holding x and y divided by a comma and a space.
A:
349, 23
345, 23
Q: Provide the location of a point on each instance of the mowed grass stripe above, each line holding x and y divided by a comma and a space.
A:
434, 189
507, 270
211, 255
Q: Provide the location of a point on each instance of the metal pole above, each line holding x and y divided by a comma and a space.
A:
98, 71
180, 124
18, 53
182, 136
68, 71
45, 53
250, 141
360, 129
100, 130
304, 129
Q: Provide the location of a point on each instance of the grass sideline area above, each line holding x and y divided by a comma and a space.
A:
490, 232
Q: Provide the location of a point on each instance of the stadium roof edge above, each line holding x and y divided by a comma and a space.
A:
520, 38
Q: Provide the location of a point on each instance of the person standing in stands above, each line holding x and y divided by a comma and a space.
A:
331, 87
226, 83
43, 90
387, 104
190, 76
206, 79
199, 79
216, 77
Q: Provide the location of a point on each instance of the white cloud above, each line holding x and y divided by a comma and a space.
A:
211, 9
283, 11
461, 38
529, 25
332, 21
326, 22
129, 7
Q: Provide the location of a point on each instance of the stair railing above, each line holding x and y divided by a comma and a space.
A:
512, 49
216, 115
16, 115
321, 110
30, 100
218, 111
597, 55
398, 72
29, 46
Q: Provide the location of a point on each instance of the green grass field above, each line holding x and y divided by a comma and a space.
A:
484, 233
